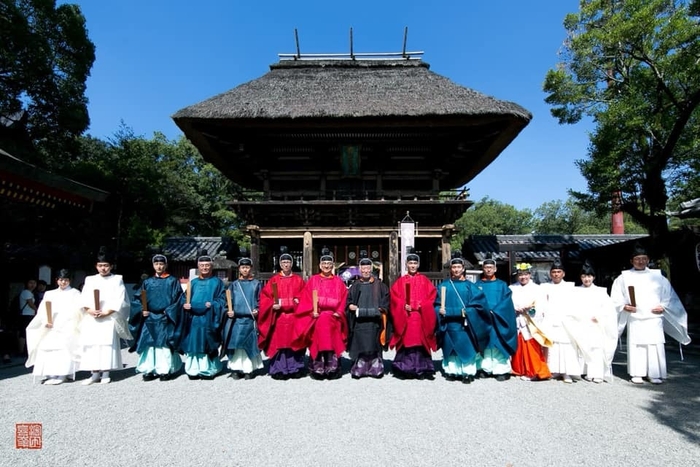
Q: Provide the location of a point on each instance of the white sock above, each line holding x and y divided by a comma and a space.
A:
105, 374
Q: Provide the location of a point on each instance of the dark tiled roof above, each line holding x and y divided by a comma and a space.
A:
350, 89
541, 247
186, 248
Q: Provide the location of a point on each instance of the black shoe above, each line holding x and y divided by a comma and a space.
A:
467, 379
235, 375
502, 377
428, 376
449, 377
207, 377
166, 377
297, 375
193, 377
149, 376
248, 376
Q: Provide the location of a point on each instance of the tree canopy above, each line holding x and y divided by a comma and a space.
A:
158, 188
491, 217
633, 66
45, 60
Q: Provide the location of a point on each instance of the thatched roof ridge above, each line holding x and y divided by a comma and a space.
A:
350, 89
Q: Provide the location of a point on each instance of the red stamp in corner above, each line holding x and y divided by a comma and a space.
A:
28, 436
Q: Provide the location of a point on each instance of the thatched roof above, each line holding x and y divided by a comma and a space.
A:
349, 89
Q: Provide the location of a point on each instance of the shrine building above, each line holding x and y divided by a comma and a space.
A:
336, 151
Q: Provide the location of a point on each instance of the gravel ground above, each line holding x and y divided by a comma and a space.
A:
355, 423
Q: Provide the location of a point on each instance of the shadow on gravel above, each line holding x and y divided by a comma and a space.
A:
676, 402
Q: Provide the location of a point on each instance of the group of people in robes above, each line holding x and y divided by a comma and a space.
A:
80, 330
566, 332
484, 327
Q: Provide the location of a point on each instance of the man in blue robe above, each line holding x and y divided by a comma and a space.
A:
503, 338
463, 323
202, 306
154, 322
240, 335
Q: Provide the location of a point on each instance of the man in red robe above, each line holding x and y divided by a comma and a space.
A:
278, 302
413, 316
321, 322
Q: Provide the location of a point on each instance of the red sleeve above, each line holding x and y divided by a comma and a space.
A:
397, 311
267, 316
427, 310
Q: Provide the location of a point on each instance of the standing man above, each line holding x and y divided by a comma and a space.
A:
563, 357
104, 321
240, 336
278, 302
368, 305
413, 317
647, 304
463, 323
503, 337
596, 329
529, 361
321, 324
53, 344
156, 326
203, 307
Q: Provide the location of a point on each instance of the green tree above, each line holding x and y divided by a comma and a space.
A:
158, 188
567, 217
633, 66
45, 59
491, 217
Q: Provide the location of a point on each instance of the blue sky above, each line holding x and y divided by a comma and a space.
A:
155, 57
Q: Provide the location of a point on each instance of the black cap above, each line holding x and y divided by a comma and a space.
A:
364, 259
105, 256
63, 274
284, 254
488, 259
587, 269
639, 250
326, 255
412, 255
244, 259
159, 258
203, 256
557, 264
457, 258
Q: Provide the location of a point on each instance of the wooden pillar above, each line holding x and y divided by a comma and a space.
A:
446, 248
254, 232
307, 267
393, 257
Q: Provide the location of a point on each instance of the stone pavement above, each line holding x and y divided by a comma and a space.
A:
356, 423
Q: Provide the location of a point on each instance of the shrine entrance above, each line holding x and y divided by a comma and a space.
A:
317, 168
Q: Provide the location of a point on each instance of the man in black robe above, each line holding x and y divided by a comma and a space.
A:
368, 302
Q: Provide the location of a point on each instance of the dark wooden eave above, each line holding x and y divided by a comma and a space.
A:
351, 213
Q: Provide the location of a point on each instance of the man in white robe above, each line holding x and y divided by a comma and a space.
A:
647, 304
595, 328
104, 322
563, 357
52, 336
